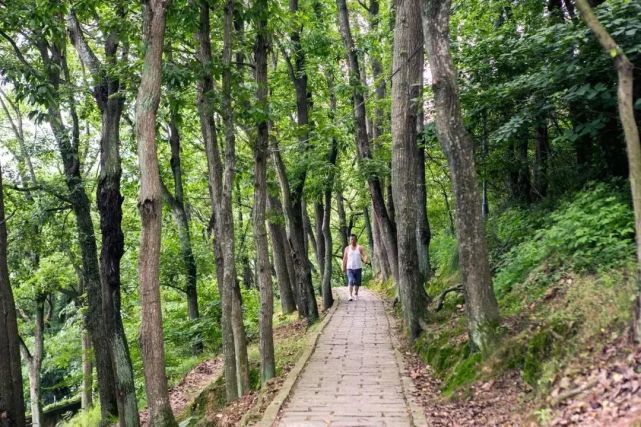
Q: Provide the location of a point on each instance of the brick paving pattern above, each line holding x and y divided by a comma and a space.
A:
352, 378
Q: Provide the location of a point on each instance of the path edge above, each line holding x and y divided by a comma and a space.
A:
417, 414
271, 413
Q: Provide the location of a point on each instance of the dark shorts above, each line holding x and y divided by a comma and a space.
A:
354, 277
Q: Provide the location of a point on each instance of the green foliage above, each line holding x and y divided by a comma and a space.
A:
592, 230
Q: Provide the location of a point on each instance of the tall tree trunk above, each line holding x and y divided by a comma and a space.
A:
33, 360
227, 217
176, 203
278, 238
68, 148
12, 408
294, 212
405, 95
86, 398
379, 251
480, 301
150, 207
206, 108
266, 345
423, 232
306, 300
626, 114
107, 93
370, 241
342, 220
386, 223
319, 211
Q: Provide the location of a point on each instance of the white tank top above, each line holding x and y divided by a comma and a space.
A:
354, 258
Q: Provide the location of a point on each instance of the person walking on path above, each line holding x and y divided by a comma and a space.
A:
353, 258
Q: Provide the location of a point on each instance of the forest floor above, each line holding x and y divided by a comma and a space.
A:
598, 387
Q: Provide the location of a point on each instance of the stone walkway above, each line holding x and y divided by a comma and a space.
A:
353, 377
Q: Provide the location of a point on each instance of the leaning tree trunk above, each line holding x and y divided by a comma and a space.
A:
625, 71
150, 207
12, 409
387, 227
405, 95
33, 359
279, 254
266, 345
206, 108
480, 301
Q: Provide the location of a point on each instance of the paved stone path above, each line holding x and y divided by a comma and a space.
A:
353, 377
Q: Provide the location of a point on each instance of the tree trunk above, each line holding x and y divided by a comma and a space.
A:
405, 95
379, 251
304, 292
423, 232
481, 306
110, 102
319, 213
277, 234
86, 397
226, 215
541, 159
33, 360
294, 212
266, 345
625, 71
206, 108
342, 221
150, 207
12, 408
388, 231
370, 241
68, 148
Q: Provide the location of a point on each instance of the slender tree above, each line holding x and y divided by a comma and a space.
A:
12, 409
281, 255
408, 66
150, 207
107, 92
261, 47
625, 70
480, 301
385, 221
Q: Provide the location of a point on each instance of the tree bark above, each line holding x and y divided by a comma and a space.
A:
266, 344
227, 217
481, 306
150, 207
282, 257
33, 360
423, 232
52, 55
304, 291
386, 224
319, 212
542, 152
86, 398
12, 407
107, 93
405, 95
625, 71
206, 108
342, 220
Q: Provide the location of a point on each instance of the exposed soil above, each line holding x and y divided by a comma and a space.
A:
194, 382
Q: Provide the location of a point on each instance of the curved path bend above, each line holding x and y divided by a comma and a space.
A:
355, 376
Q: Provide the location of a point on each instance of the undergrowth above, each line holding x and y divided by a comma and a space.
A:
561, 275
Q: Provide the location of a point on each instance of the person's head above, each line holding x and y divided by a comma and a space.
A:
352, 239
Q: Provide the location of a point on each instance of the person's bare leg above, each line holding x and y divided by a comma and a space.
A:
351, 288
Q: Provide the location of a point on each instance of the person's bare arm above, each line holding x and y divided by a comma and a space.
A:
344, 260
364, 255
